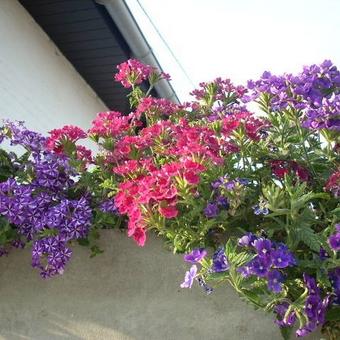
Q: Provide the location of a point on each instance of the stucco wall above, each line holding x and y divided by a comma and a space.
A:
126, 293
37, 83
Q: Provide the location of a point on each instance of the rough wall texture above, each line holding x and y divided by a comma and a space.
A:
126, 293
37, 84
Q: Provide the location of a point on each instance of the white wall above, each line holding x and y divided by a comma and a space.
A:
37, 83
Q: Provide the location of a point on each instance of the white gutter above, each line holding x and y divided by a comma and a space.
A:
134, 37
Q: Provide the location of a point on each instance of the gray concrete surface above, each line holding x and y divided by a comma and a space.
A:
126, 293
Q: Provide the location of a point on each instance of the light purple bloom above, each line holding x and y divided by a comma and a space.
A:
189, 277
247, 240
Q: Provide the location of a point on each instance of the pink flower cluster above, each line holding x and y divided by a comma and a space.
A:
154, 193
68, 133
110, 124
156, 107
254, 127
133, 72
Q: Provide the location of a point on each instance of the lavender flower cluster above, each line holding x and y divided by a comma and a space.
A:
316, 90
38, 204
268, 262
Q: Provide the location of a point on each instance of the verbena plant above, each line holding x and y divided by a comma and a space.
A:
259, 191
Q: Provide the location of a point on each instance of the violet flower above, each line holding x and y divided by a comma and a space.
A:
195, 256
189, 277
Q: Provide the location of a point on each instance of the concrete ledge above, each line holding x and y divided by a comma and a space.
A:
126, 293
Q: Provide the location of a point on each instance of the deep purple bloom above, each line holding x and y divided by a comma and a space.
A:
211, 210
220, 261
323, 255
282, 258
275, 279
334, 241
196, 255
189, 277
311, 284
263, 247
222, 202
260, 266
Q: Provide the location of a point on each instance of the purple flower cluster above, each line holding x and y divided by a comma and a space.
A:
334, 240
268, 262
315, 90
19, 135
38, 207
315, 307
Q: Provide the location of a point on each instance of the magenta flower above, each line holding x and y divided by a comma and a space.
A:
189, 277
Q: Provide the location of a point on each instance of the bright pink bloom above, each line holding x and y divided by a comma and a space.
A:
133, 72
140, 236
109, 124
156, 106
191, 177
169, 211
67, 133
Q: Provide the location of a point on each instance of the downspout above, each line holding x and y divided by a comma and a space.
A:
134, 37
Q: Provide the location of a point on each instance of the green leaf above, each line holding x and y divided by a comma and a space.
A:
286, 332
308, 237
333, 314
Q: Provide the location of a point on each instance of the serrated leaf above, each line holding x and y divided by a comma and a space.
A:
308, 237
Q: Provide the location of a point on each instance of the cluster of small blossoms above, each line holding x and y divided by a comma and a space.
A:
133, 72
156, 107
220, 90
315, 307
38, 206
315, 89
268, 262
58, 137
19, 135
255, 128
155, 192
109, 124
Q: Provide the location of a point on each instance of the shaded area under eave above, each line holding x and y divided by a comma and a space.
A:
88, 37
